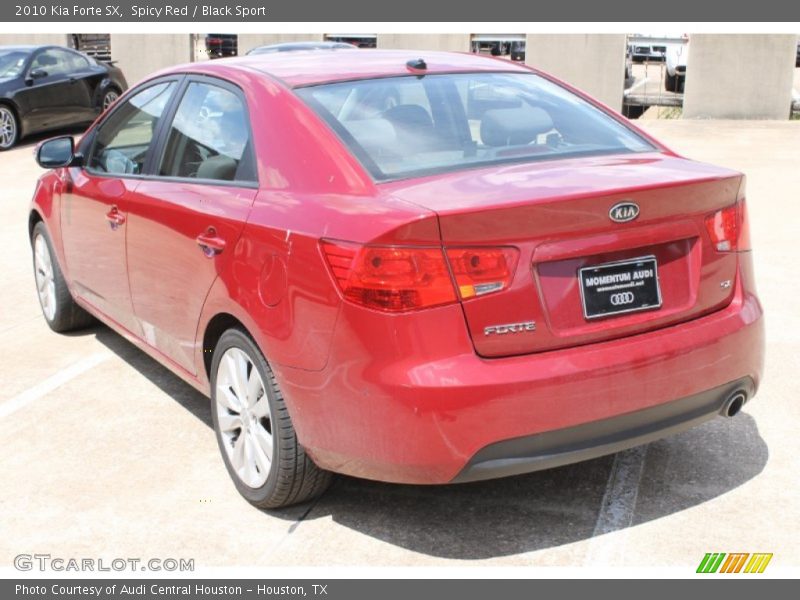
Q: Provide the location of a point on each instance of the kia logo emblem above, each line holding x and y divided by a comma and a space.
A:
621, 298
622, 212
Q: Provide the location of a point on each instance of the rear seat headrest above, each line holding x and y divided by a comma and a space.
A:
372, 134
514, 126
409, 115
220, 167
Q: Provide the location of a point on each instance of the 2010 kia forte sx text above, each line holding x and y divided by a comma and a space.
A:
414, 269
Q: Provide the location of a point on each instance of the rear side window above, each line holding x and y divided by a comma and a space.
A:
123, 140
409, 126
209, 138
77, 62
56, 61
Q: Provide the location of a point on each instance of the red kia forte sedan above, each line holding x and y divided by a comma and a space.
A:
410, 267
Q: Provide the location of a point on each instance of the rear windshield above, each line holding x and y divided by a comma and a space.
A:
402, 127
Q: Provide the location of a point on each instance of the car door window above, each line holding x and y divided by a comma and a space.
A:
209, 138
53, 62
123, 140
76, 62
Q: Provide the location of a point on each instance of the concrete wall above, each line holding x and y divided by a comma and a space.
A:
34, 39
248, 41
140, 55
594, 63
728, 76
739, 76
453, 42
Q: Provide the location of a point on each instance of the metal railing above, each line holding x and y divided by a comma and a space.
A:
648, 82
96, 45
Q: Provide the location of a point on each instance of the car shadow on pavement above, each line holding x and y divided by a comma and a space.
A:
514, 515
549, 508
172, 385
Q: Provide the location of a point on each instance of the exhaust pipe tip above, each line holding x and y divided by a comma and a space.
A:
733, 404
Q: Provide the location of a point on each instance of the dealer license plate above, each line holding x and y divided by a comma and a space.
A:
620, 287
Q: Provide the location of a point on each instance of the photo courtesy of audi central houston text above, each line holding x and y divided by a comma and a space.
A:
404, 266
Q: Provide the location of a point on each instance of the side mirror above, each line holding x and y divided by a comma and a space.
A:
58, 152
36, 74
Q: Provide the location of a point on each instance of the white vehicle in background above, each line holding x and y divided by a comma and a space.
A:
643, 50
675, 71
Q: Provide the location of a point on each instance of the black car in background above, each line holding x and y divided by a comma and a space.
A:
51, 87
518, 51
222, 45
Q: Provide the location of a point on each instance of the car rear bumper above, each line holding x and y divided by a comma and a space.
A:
608, 436
407, 400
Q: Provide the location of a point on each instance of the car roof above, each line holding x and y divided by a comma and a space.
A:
311, 67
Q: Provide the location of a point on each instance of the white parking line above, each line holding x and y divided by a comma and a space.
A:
51, 383
618, 507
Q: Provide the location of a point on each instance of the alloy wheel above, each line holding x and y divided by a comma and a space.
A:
109, 98
244, 417
45, 278
8, 128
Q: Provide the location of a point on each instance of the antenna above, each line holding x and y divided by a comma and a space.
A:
417, 64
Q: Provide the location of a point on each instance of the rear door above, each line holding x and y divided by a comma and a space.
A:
95, 203
185, 220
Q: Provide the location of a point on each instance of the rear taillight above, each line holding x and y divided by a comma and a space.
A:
728, 228
744, 227
392, 279
480, 271
403, 278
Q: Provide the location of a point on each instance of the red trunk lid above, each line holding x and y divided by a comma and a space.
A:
557, 214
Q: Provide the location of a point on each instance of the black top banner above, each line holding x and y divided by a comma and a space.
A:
125, 11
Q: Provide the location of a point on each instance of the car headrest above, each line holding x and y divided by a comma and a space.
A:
409, 115
46, 60
372, 134
514, 126
220, 167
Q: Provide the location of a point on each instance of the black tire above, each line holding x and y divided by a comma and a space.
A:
293, 477
633, 111
9, 128
67, 316
670, 82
